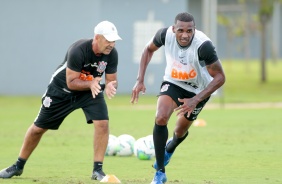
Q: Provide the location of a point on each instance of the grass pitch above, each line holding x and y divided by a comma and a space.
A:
243, 82
236, 146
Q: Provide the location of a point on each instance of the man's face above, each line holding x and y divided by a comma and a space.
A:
184, 32
104, 46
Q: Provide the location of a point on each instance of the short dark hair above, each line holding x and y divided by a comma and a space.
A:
185, 17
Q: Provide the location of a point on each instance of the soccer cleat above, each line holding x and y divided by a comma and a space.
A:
10, 172
98, 175
159, 178
166, 158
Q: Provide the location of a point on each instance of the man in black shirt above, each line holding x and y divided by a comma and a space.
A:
75, 84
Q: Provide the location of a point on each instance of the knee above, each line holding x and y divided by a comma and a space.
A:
102, 126
180, 132
36, 131
161, 119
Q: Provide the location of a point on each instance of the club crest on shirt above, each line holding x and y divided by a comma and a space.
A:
47, 101
164, 88
101, 66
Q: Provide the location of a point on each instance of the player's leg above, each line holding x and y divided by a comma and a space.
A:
171, 144
181, 130
165, 106
179, 135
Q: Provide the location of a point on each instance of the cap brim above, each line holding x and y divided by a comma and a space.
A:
112, 37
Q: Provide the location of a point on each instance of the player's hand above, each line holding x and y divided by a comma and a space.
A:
188, 106
138, 87
110, 89
95, 86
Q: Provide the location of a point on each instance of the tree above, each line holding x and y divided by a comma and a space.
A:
265, 14
244, 27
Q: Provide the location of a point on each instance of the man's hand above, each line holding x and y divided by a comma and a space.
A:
110, 89
95, 86
139, 86
189, 104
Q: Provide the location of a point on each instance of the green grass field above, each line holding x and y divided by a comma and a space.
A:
243, 82
238, 145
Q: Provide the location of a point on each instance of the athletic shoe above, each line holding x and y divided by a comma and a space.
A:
159, 178
98, 175
166, 158
10, 172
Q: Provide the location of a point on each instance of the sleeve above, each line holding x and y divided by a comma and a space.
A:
207, 53
74, 58
113, 62
159, 38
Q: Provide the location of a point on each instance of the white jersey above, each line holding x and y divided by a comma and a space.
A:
183, 66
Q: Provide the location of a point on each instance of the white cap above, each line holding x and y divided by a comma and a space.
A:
108, 30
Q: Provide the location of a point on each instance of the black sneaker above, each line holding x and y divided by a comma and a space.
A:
10, 172
98, 175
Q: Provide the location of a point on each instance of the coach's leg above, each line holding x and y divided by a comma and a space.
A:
31, 140
101, 136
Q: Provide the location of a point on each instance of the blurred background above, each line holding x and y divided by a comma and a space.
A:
35, 35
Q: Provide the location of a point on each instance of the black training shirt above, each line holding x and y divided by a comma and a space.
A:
81, 58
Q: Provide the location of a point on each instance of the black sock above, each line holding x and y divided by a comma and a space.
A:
160, 135
175, 142
20, 163
98, 166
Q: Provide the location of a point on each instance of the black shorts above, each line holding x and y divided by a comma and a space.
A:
58, 104
176, 92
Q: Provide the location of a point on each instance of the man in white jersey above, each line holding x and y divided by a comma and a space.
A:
193, 72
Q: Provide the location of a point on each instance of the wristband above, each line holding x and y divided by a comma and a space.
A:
102, 86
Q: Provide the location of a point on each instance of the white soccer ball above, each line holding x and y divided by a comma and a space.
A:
126, 144
128, 138
144, 148
150, 142
113, 146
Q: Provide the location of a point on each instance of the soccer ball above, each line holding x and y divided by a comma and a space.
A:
126, 144
128, 138
150, 142
113, 146
144, 148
